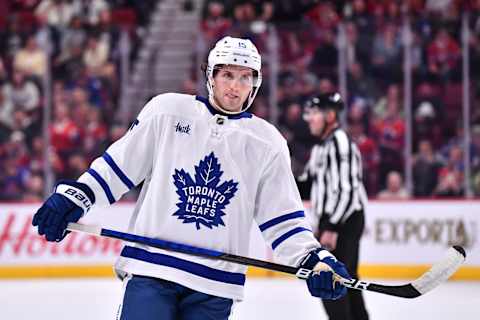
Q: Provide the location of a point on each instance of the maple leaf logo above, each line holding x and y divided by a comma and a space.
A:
202, 201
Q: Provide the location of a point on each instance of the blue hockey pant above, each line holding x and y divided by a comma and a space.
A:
147, 298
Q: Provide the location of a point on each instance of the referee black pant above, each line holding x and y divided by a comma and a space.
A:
352, 306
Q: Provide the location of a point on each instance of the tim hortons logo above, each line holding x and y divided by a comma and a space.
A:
446, 232
19, 238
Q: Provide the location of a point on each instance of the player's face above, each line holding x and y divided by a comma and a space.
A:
231, 87
316, 121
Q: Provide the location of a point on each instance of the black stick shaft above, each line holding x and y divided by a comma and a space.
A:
404, 291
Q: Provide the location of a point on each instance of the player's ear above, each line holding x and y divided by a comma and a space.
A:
331, 115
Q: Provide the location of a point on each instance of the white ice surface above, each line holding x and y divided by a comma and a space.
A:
277, 299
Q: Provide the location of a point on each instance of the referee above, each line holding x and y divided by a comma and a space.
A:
337, 195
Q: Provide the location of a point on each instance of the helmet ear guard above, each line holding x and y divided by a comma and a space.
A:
238, 52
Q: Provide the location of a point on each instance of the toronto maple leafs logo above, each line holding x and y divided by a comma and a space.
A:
203, 200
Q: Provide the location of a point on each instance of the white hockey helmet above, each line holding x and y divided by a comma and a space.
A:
237, 52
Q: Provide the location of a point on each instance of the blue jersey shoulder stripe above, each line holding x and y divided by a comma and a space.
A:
287, 235
104, 185
118, 171
277, 220
184, 265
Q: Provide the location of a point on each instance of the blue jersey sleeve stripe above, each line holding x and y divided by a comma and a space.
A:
103, 184
277, 220
184, 265
118, 171
287, 235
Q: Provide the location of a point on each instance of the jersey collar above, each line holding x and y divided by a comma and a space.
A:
214, 111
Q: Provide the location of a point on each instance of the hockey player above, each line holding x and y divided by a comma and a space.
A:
209, 170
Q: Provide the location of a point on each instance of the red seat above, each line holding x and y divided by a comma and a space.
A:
453, 99
27, 20
126, 18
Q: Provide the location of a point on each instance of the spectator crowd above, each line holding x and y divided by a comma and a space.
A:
76, 44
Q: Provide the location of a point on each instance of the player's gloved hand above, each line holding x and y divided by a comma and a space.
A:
69, 202
321, 282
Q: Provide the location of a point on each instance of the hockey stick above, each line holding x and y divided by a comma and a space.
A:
439, 272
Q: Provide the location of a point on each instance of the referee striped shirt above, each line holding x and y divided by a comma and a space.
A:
335, 168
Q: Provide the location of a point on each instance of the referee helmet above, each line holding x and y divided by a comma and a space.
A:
324, 101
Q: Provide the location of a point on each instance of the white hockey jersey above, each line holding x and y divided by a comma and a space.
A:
207, 177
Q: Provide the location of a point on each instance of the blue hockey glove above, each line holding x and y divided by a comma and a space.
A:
69, 202
321, 283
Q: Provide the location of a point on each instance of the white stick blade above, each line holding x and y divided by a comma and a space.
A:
440, 271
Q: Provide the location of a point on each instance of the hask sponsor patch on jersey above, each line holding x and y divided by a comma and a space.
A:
181, 127
203, 198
